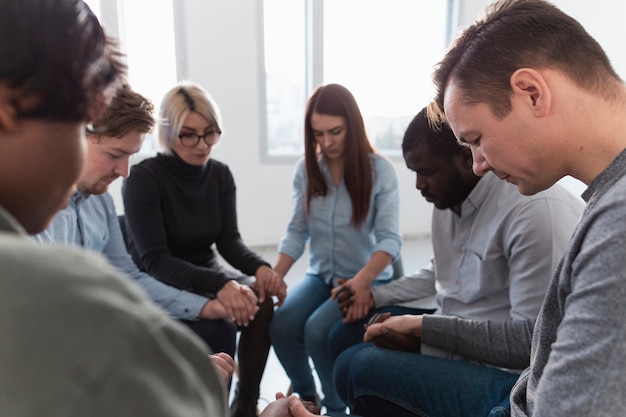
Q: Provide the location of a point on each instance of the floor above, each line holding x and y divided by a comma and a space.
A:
415, 254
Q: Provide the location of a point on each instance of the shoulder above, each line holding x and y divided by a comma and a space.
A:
147, 167
383, 170
381, 163
65, 268
558, 193
215, 170
104, 200
300, 165
299, 170
217, 166
79, 292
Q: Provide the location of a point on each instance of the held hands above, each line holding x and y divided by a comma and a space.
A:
224, 365
213, 310
239, 301
354, 298
268, 283
291, 406
397, 333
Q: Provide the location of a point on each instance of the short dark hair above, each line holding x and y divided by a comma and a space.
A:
516, 34
129, 111
56, 57
439, 138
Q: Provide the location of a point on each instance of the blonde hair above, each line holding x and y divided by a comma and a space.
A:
184, 98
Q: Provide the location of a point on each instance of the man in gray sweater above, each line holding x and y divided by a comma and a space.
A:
494, 251
535, 98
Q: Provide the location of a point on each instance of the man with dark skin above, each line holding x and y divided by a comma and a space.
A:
493, 254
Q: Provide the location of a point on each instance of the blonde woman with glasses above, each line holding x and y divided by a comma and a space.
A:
182, 202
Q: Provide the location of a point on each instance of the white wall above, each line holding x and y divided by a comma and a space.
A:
219, 48
221, 53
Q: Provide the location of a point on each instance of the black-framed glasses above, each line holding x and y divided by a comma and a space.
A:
191, 140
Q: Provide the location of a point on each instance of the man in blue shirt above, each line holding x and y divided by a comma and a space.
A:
90, 219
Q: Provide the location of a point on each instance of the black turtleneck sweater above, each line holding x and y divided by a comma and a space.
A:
175, 212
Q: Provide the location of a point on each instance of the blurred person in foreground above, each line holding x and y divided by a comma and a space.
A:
78, 339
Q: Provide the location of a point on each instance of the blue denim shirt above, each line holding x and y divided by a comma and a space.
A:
337, 249
91, 221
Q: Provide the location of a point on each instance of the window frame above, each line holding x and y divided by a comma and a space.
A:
314, 66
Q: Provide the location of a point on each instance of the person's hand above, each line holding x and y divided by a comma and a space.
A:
269, 283
360, 302
291, 406
299, 408
397, 333
344, 296
224, 365
239, 301
213, 310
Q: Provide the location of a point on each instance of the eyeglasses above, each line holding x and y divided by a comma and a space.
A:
191, 140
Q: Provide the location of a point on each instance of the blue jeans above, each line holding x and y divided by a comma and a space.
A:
383, 382
300, 329
345, 335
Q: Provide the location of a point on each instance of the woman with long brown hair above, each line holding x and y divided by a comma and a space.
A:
345, 205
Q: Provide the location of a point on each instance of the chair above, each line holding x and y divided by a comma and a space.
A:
398, 268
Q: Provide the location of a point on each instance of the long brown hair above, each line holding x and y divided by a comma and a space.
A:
336, 100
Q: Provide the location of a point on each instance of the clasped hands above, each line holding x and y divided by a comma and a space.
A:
354, 298
398, 333
240, 303
283, 406
270, 283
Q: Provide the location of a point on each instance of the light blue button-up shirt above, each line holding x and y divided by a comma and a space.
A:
91, 221
337, 249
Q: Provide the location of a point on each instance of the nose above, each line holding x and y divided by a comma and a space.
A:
420, 182
325, 140
203, 144
123, 166
480, 166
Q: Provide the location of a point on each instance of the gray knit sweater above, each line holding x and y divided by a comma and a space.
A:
578, 360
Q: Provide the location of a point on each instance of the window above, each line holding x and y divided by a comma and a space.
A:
285, 70
149, 48
383, 51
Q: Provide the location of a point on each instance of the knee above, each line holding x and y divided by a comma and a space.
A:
335, 338
315, 335
266, 311
361, 364
283, 323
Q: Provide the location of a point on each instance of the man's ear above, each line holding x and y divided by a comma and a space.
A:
531, 86
8, 112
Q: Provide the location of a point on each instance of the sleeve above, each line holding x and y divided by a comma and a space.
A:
534, 240
587, 361
230, 244
144, 217
294, 241
500, 343
387, 209
419, 285
180, 304
109, 350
